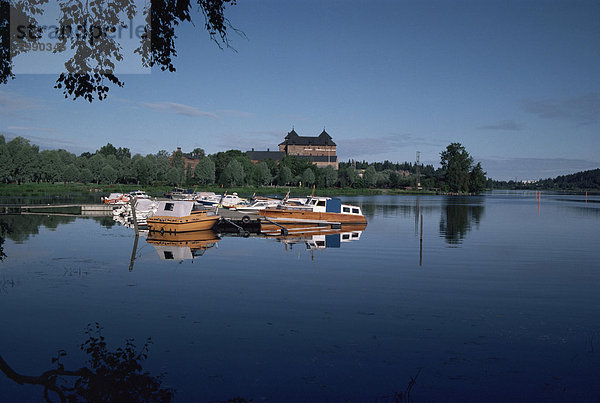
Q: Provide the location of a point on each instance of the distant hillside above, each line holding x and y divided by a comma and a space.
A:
581, 180
586, 180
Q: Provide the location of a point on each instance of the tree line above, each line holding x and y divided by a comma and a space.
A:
21, 162
589, 180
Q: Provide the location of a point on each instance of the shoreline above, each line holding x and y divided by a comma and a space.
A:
87, 190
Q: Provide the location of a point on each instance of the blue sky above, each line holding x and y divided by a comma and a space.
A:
516, 82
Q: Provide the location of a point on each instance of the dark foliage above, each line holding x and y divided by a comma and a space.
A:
585, 180
111, 376
89, 73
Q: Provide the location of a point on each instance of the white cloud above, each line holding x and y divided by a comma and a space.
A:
583, 109
503, 125
374, 146
178, 109
16, 105
32, 129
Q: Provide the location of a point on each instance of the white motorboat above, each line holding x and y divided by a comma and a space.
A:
259, 204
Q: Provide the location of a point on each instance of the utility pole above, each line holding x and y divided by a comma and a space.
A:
418, 170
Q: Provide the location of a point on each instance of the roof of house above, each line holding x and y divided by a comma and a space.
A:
265, 155
323, 139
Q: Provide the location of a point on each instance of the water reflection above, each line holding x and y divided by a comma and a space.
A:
19, 227
3, 230
312, 236
191, 245
111, 376
458, 217
183, 246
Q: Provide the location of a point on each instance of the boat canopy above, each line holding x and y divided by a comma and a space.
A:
144, 204
172, 208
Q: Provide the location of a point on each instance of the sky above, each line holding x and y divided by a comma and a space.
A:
517, 83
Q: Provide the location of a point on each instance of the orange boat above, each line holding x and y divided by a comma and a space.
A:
181, 216
316, 210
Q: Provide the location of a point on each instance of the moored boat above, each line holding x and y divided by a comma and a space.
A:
257, 205
316, 209
116, 199
232, 200
181, 216
138, 194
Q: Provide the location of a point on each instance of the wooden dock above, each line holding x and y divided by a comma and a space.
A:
68, 209
233, 221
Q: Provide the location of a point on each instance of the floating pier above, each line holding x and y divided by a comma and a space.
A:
233, 221
67, 209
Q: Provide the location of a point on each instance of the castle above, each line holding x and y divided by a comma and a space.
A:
320, 150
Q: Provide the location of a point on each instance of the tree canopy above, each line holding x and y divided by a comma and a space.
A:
21, 161
458, 171
94, 48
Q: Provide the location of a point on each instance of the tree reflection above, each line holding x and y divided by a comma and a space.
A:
114, 376
458, 218
106, 221
3, 230
18, 228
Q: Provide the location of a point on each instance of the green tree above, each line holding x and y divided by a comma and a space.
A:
108, 174
456, 165
175, 176
107, 150
308, 177
24, 156
96, 163
5, 162
85, 176
70, 174
233, 174
285, 176
205, 171
159, 165
330, 175
177, 160
51, 166
197, 152
370, 176
263, 174
351, 175
477, 179
141, 169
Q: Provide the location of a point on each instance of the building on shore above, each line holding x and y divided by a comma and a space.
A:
320, 150
258, 156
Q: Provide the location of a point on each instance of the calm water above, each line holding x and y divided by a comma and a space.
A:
502, 303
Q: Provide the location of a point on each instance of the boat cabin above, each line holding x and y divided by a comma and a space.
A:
176, 208
332, 205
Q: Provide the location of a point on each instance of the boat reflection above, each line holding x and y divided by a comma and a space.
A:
182, 246
313, 236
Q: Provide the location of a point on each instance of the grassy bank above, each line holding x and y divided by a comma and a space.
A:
59, 189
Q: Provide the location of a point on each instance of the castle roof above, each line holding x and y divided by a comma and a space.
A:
323, 139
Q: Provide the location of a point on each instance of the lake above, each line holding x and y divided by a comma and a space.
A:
500, 301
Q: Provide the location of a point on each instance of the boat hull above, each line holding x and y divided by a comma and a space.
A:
190, 223
291, 216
